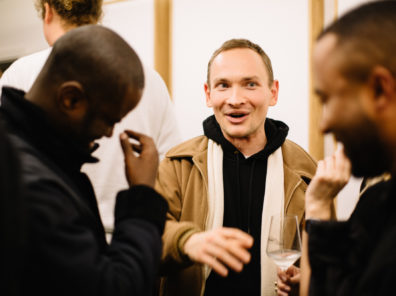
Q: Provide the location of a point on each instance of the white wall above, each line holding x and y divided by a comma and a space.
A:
345, 5
21, 27
279, 27
134, 21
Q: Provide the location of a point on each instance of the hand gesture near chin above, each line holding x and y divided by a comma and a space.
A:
141, 158
332, 174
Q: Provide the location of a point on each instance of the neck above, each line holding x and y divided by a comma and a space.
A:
56, 31
248, 145
35, 96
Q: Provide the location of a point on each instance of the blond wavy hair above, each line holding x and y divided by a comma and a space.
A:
74, 12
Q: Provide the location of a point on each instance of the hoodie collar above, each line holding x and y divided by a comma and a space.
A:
276, 132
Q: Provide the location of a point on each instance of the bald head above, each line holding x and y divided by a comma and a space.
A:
98, 58
364, 39
92, 78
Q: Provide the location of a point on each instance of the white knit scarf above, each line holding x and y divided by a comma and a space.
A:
273, 204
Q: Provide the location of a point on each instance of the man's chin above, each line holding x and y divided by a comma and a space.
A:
236, 132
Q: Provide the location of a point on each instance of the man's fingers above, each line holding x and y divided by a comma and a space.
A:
221, 249
142, 138
126, 146
320, 168
240, 252
226, 257
215, 264
133, 134
234, 242
142, 144
136, 147
283, 286
295, 279
343, 163
242, 237
282, 293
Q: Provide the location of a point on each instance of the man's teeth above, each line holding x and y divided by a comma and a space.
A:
237, 115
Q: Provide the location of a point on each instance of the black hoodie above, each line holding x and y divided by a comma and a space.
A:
244, 187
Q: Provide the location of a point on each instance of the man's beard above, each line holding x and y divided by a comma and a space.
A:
367, 152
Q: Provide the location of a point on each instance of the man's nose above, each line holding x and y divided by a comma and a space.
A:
325, 121
236, 96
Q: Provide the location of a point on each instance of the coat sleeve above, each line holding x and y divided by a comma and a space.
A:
169, 184
68, 254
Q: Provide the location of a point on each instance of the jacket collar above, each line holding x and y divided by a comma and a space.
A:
196, 149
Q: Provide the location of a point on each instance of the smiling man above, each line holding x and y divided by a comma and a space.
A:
91, 80
223, 187
354, 69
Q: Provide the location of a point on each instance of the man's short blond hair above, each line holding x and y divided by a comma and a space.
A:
242, 43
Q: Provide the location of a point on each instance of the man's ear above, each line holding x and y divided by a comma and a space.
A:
274, 93
383, 85
48, 13
72, 100
207, 94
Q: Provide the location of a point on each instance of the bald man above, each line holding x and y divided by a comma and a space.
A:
90, 81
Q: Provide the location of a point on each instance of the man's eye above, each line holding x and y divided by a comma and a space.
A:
251, 84
222, 85
323, 99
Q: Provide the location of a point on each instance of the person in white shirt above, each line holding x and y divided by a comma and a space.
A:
154, 116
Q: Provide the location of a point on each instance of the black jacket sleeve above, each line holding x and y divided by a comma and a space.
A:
68, 254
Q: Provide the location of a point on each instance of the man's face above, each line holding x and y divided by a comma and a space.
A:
239, 93
343, 112
99, 120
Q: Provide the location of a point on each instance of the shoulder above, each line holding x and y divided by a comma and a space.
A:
298, 160
189, 148
22, 73
153, 79
38, 171
155, 88
36, 59
44, 185
151, 74
33, 168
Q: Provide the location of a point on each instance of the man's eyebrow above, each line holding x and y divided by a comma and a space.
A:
217, 80
248, 78
319, 92
322, 96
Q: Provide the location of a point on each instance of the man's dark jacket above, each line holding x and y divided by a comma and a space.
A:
66, 251
356, 257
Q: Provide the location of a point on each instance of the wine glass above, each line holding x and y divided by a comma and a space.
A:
284, 240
